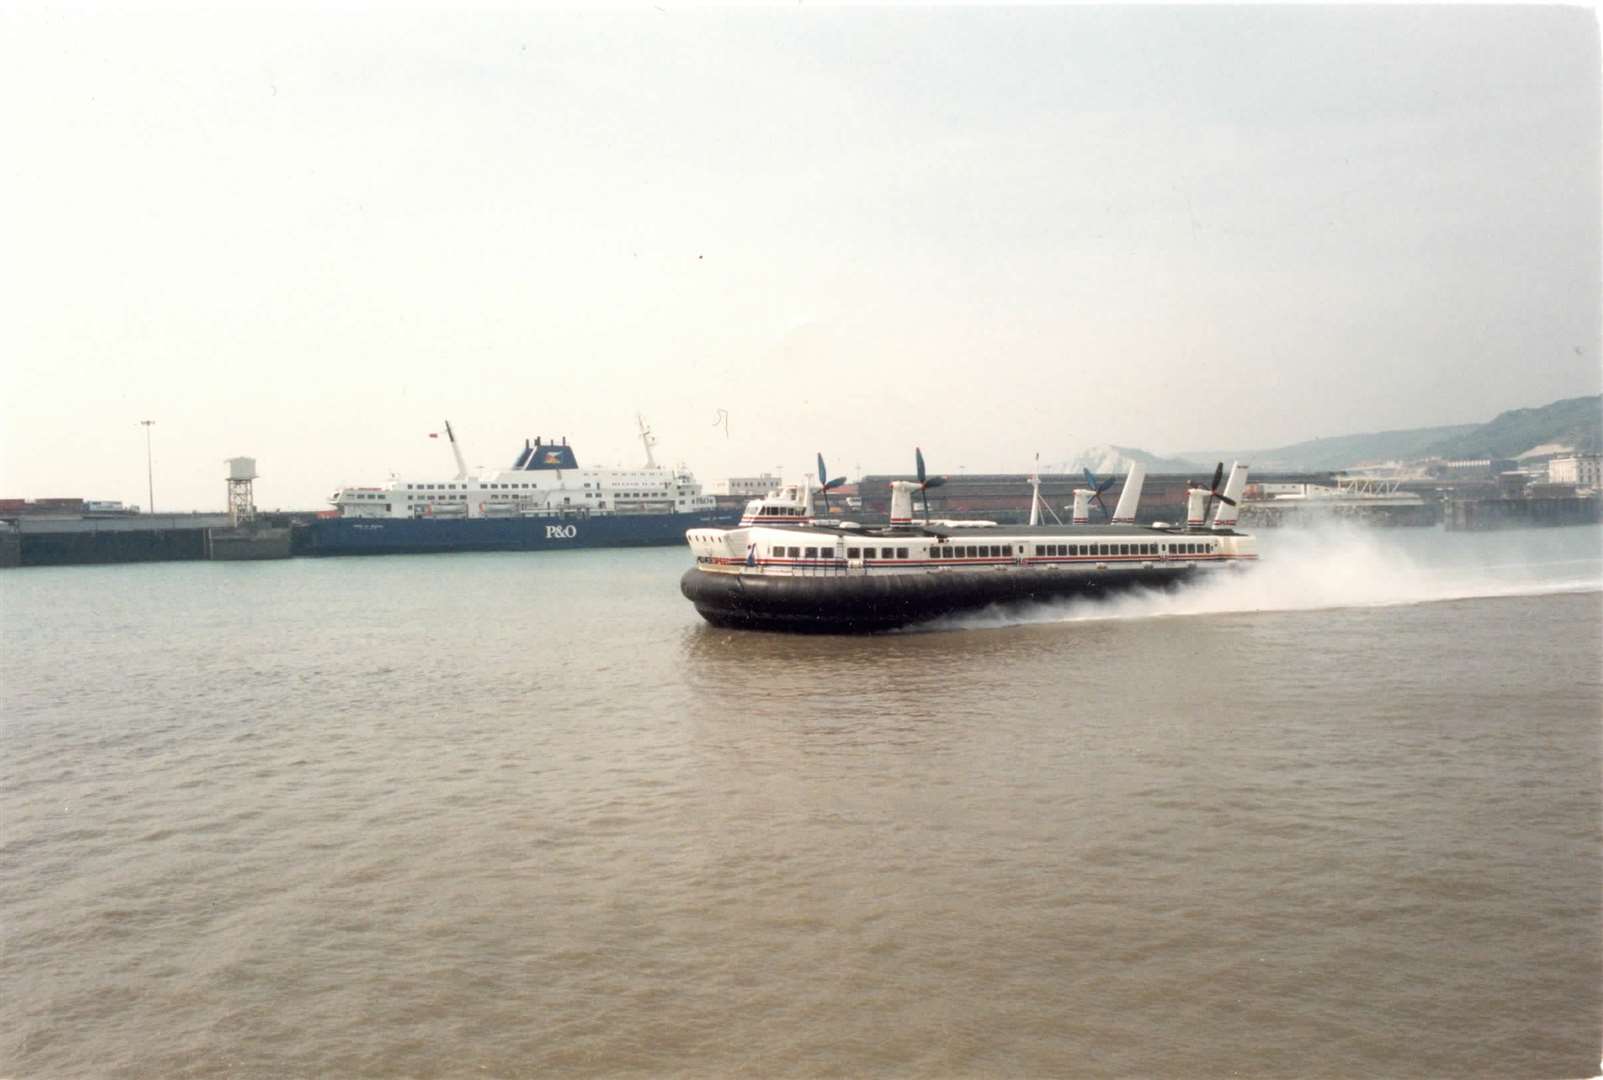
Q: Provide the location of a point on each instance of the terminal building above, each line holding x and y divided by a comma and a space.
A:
1584, 471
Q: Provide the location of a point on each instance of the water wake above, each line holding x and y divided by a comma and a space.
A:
1346, 567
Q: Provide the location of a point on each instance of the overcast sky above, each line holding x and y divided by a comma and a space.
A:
312, 238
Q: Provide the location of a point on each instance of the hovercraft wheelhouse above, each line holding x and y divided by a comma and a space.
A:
809, 575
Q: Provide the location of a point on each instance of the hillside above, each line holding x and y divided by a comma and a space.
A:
1116, 460
1341, 451
1576, 422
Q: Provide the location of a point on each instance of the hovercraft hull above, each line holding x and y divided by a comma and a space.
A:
867, 604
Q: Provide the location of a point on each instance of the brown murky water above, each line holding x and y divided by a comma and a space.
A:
515, 815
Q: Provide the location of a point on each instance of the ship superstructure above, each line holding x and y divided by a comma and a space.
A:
544, 480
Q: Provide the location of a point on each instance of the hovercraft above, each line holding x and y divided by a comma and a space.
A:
783, 569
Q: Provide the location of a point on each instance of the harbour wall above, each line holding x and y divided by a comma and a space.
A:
249, 542
73, 541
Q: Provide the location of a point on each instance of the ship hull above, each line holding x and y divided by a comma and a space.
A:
420, 536
867, 603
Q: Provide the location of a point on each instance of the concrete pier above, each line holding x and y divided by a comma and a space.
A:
1479, 514
70, 541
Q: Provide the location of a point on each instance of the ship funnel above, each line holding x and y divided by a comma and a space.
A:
1130, 495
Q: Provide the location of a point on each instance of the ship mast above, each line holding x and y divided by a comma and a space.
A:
461, 466
647, 440
1035, 493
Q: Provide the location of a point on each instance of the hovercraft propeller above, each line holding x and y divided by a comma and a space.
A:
825, 483
1097, 490
925, 482
1214, 493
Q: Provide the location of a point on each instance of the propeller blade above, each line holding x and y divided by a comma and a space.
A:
835, 483
934, 481
823, 473
1109, 482
1218, 474
1226, 500
918, 456
1090, 478
1102, 506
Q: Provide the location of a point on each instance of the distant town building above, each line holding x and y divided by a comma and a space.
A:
1475, 468
1582, 470
752, 487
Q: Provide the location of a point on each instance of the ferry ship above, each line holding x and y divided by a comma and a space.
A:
544, 500
784, 569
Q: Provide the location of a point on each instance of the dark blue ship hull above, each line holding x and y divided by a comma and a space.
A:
415, 536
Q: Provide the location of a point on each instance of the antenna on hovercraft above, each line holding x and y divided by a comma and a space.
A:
1035, 493
1037, 504
825, 483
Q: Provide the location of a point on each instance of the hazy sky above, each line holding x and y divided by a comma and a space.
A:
312, 237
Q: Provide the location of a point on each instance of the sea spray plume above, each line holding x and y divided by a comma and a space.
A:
1340, 566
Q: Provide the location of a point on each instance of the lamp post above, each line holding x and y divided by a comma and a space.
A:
150, 475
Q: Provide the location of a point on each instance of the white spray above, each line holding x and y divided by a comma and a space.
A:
1346, 566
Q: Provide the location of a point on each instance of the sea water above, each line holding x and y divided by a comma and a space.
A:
523, 814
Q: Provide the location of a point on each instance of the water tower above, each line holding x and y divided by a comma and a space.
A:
241, 504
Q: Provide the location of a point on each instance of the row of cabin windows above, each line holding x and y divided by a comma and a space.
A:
851, 553
972, 551
460, 498
1050, 550
426, 498
492, 487
779, 511
991, 551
